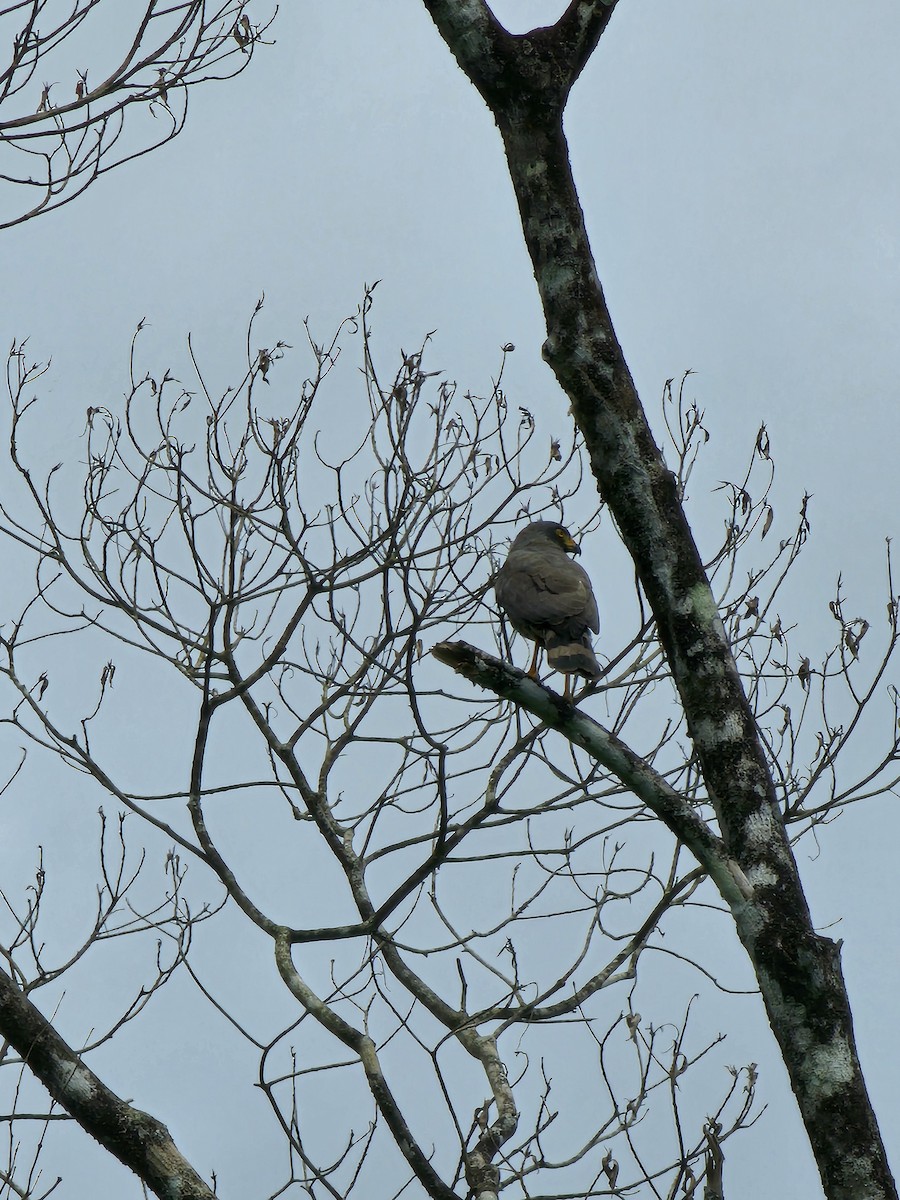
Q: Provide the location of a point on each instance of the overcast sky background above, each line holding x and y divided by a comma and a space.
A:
737, 164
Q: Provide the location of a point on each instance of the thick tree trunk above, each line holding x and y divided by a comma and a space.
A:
525, 81
798, 971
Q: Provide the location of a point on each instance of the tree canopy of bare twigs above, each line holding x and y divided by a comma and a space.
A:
66, 119
302, 583
476, 883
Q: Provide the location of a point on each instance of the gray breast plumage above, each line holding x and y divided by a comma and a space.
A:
548, 598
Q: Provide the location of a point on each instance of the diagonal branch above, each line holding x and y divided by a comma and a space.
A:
137, 1139
610, 751
364, 1047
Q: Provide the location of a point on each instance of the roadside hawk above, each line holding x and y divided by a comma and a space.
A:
549, 599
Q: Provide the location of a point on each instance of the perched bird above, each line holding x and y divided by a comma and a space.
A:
549, 599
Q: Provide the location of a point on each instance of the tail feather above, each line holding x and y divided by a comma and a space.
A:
572, 658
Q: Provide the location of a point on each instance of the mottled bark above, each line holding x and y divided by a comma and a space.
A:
525, 81
137, 1139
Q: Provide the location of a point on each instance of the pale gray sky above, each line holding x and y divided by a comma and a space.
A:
738, 168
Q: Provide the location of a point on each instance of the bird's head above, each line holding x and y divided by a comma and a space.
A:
566, 540
548, 531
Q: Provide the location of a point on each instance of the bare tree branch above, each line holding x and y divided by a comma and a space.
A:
136, 1138
56, 138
